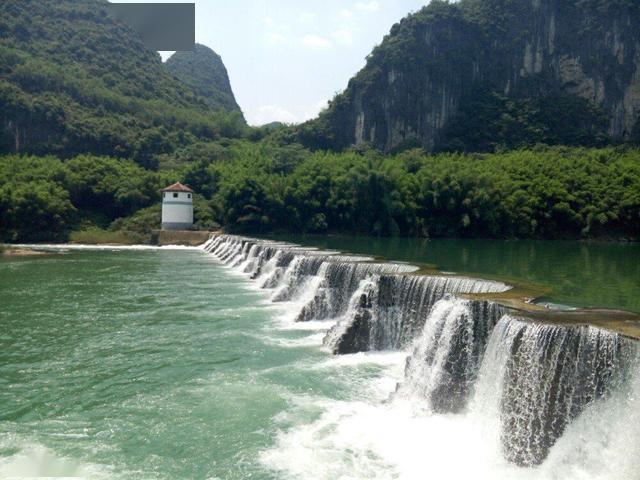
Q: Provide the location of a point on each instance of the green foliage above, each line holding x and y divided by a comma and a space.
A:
34, 211
438, 79
43, 198
74, 80
142, 222
488, 120
116, 186
203, 71
77, 84
544, 192
204, 214
96, 236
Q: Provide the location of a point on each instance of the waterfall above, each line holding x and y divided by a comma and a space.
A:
446, 356
356, 332
530, 380
321, 281
326, 285
536, 378
399, 310
341, 279
299, 272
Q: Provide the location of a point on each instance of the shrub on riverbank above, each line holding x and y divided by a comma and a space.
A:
98, 236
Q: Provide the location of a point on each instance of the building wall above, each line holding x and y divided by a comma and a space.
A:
177, 210
179, 237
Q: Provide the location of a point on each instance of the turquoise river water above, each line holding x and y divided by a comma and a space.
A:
167, 364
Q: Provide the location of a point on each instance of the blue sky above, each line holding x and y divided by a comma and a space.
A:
286, 58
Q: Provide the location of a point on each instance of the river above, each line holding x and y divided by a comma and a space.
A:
175, 364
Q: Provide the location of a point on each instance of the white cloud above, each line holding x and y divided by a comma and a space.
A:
307, 17
315, 109
269, 21
315, 41
343, 36
276, 113
274, 38
271, 113
372, 6
345, 14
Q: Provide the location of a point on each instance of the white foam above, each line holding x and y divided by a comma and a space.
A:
313, 340
355, 440
382, 358
374, 438
369, 434
284, 323
36, 461
77, 246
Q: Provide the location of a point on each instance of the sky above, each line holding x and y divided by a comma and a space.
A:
287, 58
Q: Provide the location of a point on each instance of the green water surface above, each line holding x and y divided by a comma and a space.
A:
163, 364
147, 364
578, 274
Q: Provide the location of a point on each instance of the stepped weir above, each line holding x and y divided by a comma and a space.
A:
470, 343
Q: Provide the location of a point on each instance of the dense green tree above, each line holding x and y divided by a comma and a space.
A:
34, 211
540, 192
73, 79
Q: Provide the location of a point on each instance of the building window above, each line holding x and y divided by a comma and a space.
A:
164, 195
175, 195
188, 195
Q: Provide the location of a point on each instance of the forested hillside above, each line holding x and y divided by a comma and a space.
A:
477, 75
203, 71
75, 80
93, 125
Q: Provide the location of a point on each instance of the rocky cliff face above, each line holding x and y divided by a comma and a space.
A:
426, 69
203, 71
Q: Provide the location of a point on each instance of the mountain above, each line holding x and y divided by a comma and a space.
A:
480, 74
203, 71
74, 80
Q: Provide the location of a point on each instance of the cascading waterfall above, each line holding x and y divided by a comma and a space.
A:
341, 279
354, 332
543, 376
533, 380
268, 270
446, 356
295, 278
271, 275
399, 303
399, 310
465, 355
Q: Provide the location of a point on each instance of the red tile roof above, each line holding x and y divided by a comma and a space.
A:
177, 187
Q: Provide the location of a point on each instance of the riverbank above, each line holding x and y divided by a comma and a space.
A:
98, 236
601, 278
9, 251
212, 338
555, 192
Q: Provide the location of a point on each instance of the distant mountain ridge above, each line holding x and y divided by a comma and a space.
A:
479, 73
204, 72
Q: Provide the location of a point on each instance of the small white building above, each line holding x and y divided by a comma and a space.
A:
177, 207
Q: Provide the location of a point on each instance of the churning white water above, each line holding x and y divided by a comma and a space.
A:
462, 389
